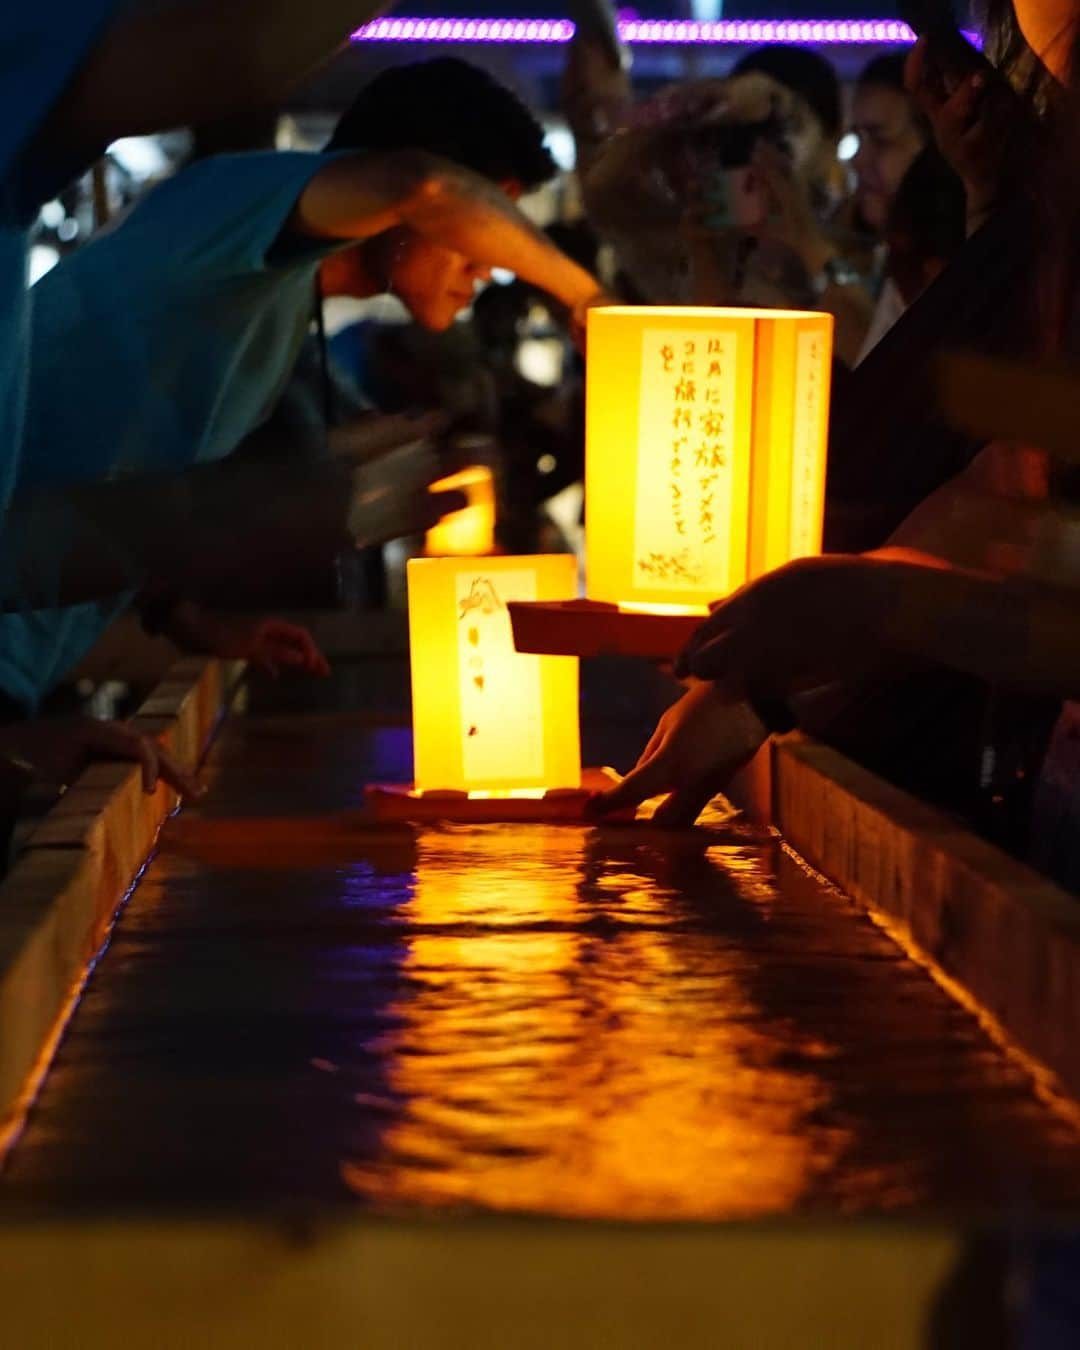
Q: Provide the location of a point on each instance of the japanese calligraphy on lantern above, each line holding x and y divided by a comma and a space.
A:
807, 476
501, 706
684, 455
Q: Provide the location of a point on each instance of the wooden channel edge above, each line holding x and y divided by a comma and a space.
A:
1008, 937
63, 892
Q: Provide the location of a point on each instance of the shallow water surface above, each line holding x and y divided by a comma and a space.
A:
300, 1008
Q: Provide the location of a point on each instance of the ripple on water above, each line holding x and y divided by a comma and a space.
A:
578, 1036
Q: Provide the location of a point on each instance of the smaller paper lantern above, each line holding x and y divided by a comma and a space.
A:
486, 719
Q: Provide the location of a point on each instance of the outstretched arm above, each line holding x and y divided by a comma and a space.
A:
827, 620
836, 618
357, 197
210, 528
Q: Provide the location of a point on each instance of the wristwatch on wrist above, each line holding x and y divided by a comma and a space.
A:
835, 271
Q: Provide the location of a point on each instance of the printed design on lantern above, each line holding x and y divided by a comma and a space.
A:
807, 485
684, 464
501, 728
482, 596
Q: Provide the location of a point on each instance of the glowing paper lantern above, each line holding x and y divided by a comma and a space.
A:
705, 449
470, 532
487, 720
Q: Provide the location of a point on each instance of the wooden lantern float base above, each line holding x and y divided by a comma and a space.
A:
596, 628
566, 806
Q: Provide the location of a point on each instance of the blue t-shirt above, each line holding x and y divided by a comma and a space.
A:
41, 46
159, 345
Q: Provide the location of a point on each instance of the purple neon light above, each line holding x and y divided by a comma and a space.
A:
666, 32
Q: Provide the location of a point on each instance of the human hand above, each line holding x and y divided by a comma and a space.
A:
714, 258
791, 220
56, 749
807, 623
268, 644
697, 747
271, 644
580, 315
976, 120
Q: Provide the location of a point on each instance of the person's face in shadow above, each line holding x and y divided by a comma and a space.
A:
890, 139
434, 283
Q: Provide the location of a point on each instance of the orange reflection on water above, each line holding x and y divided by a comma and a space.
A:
572, 1041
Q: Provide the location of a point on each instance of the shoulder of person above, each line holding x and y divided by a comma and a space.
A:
231, 175
213, 214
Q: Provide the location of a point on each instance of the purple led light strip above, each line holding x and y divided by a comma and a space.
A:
667, 32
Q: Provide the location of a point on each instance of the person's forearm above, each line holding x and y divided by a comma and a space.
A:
1007, 632
1012, 634
210, 529
596, 96
358, 197
203, 528
709, 282
593, 123
198, 60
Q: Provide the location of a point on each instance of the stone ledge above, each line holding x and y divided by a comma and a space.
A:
60, 897
470, 1284
1008, 936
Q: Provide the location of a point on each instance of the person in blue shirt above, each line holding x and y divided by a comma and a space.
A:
77, 74
188, 315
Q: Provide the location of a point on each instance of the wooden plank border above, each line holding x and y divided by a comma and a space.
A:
63, 892
1006, 935
461, 1283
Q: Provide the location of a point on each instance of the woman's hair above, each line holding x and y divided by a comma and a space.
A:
1008, 52
1057, 201
1044, 170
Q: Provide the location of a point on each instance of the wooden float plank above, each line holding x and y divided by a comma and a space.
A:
471, 1285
